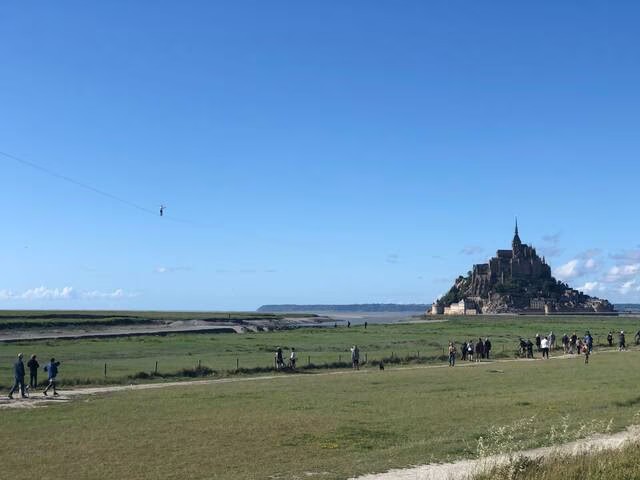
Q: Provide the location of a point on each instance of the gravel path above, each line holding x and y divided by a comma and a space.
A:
465, 469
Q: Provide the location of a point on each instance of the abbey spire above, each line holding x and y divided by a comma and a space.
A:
516, 244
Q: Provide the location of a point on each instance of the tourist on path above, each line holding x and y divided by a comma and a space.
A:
544, 345
52, 370
588, 339
621, 341
552, 341
33, 371
452, 354
523, 348
18, 377
355, 357
487, 347
573, 343
279, 359
479, 350
538, 341
610, 338
585, 350
470, 350
565, 343
529, 348
292, 358
463, 349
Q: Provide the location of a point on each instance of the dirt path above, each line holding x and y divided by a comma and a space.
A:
465, 469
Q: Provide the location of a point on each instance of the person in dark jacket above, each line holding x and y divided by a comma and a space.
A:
463, 350
487, 348
479, 350
621, 341
52, 369
18, 376
33, 371
279, 359
610, 338
529, 349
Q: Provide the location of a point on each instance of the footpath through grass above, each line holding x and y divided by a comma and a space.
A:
333, 426
606, 465
132, 358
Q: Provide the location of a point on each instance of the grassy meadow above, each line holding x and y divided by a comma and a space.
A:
84, 360
332, 425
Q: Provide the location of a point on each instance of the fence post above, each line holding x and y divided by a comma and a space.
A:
155, 372
105, 369
365, 358
308, 360
339, 358
199, 364
418, 354
237, 364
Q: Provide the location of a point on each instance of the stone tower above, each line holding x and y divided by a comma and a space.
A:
516, 244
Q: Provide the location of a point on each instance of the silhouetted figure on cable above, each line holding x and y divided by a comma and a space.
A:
162, 208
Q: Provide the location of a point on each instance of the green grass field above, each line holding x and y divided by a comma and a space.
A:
84, 360
333, 425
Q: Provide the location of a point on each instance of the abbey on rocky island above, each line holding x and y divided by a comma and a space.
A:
515, 281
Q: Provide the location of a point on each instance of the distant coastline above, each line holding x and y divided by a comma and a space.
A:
362, 307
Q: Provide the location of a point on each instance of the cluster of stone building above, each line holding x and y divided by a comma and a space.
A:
519, 265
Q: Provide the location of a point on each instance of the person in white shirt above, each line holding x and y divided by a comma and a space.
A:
544, 346
293, 358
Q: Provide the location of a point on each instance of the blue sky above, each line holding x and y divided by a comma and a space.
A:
312, 152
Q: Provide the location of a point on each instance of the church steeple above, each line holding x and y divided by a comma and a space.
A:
516, 244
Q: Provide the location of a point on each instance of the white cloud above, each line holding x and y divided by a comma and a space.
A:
577, 267
162, 269
622, 272
117, 293
590, 287
631, 285
64, 293
571, 269
590, 264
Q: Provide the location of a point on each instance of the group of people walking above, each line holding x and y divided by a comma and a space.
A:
470, 350
573, 344
293, 357
51, 368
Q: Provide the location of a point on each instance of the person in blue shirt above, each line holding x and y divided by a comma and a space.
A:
588, 339
18, 375
52, 369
